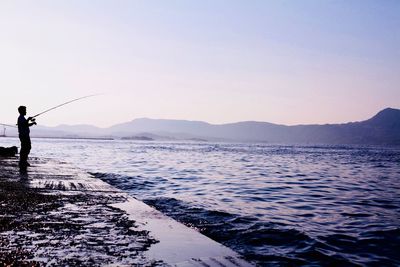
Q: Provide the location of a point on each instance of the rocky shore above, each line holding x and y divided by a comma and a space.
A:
56, 225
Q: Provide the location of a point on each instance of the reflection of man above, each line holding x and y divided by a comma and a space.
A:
23, 130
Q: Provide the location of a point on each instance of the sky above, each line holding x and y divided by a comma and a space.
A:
220, 61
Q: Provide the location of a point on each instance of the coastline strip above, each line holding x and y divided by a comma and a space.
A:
146, 236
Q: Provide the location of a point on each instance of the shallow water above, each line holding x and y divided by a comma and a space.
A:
274, 204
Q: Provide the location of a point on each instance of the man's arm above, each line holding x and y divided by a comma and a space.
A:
31, 123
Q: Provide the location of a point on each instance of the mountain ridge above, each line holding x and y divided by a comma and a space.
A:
382, 128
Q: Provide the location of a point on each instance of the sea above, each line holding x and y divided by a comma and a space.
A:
275, 204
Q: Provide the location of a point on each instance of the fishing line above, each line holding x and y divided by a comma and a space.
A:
63, 104
8, 125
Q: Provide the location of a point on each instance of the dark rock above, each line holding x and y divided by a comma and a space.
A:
8, 151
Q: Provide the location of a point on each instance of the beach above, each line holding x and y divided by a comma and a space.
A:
53, 215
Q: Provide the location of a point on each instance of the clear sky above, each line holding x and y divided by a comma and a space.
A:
287, 62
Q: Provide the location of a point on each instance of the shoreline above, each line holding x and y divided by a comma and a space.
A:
54, 214
45, 223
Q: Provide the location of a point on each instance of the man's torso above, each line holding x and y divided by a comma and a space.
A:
23, 126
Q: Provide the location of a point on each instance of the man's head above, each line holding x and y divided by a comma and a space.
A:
22, 110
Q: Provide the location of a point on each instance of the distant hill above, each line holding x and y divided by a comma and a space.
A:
383, 128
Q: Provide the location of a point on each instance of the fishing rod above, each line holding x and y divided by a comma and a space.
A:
63, 104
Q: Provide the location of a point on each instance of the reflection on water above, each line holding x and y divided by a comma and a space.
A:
272, 203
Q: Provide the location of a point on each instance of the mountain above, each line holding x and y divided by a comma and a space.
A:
383, 128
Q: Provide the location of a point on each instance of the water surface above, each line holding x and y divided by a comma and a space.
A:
274, 204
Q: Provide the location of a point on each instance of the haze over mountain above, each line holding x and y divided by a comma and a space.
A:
383, 128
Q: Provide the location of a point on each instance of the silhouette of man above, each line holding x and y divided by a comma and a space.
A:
23, 130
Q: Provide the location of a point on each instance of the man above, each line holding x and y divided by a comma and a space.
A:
23, 130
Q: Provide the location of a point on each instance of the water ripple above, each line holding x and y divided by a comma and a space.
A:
275, 204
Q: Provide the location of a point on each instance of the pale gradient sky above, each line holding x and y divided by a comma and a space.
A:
287, 62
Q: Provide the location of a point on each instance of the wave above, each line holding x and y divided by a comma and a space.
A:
264, 243
267, 243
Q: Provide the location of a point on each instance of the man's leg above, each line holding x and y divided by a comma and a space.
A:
22, 155
28, 150
25, 149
